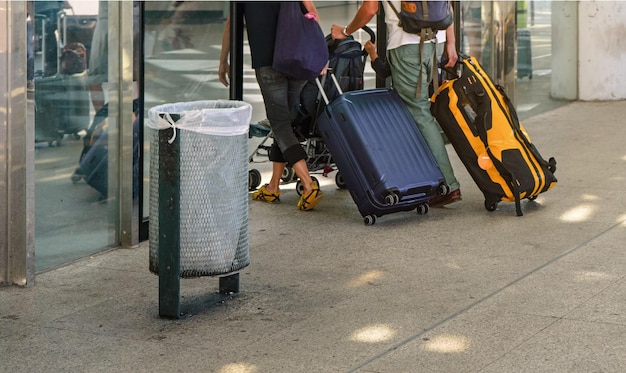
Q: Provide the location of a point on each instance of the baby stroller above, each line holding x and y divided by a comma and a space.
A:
347, 61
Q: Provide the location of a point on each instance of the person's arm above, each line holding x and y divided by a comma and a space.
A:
379, 64
451, 47
366, 12
224, 69
381, 67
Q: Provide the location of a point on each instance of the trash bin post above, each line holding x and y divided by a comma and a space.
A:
229, 284
169, 220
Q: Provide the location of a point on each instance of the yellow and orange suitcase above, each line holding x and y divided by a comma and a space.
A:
482, 125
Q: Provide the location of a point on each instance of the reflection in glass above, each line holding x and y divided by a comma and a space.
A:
75, 214
489, 32
182, 43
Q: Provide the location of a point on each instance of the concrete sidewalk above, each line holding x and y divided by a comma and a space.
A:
459, 289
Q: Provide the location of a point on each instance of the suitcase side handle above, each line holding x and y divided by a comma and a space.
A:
321, 87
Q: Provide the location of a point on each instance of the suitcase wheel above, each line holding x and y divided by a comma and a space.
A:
443, 189
491, 206
422, 209
76, 177
369, 219
392, 199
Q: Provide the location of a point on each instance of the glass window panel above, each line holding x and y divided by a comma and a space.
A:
479, 26
75, 214
182, 44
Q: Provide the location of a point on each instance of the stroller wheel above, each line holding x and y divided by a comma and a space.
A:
289, 175
339, 181
300, 186
254, 179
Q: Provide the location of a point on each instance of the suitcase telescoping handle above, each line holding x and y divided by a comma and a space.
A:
321, 87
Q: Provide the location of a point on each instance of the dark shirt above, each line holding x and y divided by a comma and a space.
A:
381, 67
261, 19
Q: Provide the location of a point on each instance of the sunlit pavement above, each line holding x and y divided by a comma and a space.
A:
459, 289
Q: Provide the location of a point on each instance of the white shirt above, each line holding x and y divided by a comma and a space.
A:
396, 37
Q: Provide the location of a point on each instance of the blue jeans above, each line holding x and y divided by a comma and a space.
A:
406, 64
281, 96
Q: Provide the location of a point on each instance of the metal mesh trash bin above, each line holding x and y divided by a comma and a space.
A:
199, 168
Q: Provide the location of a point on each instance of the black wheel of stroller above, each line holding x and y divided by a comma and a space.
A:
339, 181
369, 219
422, 209
289, 174
254, 179
300, 186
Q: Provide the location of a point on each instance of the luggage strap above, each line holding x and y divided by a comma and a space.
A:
428, 34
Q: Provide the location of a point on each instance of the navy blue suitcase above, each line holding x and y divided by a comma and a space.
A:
383, 159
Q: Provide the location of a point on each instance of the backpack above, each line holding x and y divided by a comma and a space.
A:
427, 16
346, 61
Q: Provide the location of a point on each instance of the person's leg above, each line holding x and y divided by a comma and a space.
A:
405, 62
300, 167
280, 95
277, 171
271, 192
275, 90
311, 193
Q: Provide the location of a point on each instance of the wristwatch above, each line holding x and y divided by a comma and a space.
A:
345, 31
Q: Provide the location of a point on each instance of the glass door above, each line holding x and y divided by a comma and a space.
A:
76, 206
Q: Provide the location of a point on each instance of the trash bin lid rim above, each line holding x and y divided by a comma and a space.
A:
216, 117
